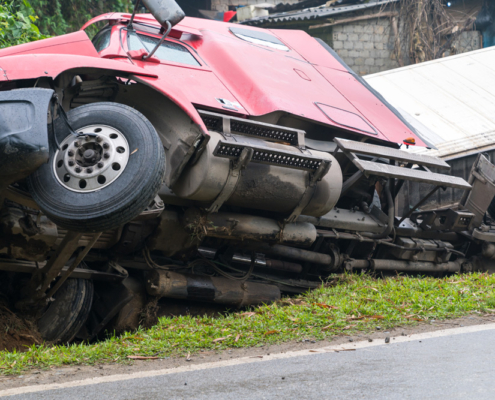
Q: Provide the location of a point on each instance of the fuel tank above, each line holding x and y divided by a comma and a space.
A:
261, 185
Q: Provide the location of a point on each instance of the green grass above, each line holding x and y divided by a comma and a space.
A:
346, 305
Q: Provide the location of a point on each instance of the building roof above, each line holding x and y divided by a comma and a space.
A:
314, 13
451, 101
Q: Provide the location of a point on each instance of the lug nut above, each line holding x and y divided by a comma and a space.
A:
100, 165
106, 145
99, 139
106, 155
86, 138
77, 144
89, 170
71, 163
70, 153
78, 169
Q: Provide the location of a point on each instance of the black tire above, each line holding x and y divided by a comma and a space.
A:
122, 200
66, 315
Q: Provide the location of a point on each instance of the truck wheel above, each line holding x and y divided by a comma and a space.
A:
65, 316
105, 178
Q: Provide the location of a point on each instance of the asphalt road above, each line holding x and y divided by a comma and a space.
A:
458, 366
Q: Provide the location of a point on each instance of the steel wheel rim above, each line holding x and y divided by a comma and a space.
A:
93, 160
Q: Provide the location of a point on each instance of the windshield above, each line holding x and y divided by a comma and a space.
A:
168, 51
102, 40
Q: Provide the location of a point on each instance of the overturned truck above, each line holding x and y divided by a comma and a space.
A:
193, 159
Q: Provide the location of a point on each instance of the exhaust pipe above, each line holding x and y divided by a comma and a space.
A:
405, 266
210, 289
243, 227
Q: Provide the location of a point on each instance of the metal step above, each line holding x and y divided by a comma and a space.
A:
391, 171
227, 125
387, 152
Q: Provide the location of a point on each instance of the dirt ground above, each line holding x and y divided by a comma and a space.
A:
67, 374
16, 333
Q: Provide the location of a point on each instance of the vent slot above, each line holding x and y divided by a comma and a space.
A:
213, 123
265, 133
271, 157
231, 125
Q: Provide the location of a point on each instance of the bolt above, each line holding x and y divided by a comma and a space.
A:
71, 163
78, 169
89, 170
106, 145
77, 144
86, 138
99, 139
106, 155
70, 153
100, 165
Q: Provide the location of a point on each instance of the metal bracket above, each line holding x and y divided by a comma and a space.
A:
310, 189
485, 236
233, 179
41, 280
75, 263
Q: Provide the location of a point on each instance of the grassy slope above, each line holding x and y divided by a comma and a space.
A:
345, 305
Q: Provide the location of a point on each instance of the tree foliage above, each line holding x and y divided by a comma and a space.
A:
18, 23
62, 16
23, 21
424, 30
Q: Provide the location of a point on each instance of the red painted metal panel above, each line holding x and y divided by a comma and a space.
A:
31, 66
260, 79
346, 118
99, 18
73, 43
266, 80
201, 85
308, 48
375, 112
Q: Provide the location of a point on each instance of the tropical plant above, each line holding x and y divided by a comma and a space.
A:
62, 16
18, 23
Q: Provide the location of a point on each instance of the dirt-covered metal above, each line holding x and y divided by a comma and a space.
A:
217, 171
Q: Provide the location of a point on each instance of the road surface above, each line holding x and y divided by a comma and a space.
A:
450, 364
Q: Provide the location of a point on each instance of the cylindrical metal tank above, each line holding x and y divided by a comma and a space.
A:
261, 186
210, 289
233, 226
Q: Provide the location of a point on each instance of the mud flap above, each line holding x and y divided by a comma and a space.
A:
23, 132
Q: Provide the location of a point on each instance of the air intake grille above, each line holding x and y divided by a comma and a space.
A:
231, 125
270, 157
213, 123
263, 132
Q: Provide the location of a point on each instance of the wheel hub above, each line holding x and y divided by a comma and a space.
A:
89, 155
92, 160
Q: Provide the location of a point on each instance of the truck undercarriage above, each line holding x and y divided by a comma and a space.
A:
117, 204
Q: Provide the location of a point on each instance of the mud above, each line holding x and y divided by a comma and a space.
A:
75, 373
16, 333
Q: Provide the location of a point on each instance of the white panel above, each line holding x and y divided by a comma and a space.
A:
454, 97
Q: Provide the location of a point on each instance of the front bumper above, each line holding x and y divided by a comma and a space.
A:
23, 132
